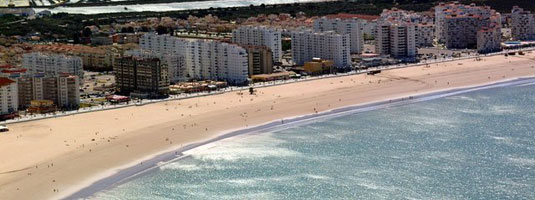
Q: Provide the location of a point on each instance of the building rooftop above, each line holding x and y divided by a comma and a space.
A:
5, 81
353, 16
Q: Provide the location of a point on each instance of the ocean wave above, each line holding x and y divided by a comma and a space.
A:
462, 97
522, 161
248, 147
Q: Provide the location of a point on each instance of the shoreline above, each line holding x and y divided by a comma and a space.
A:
124, 175
54, 158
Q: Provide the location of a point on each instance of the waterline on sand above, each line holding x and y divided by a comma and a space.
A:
163, 159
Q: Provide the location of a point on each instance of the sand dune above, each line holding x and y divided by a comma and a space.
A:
52, 157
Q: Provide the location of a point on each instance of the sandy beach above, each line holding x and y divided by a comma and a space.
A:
52, 158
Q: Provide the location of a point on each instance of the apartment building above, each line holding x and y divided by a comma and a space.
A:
176, 64
93, 58
457, 24
141, 77
308, 44
8, 96
351, 26
367, 21
260, 59
260, 36
52, 64
489, 40
399, 33
396, 39
205, 59
61, 89
425, 34
522, 24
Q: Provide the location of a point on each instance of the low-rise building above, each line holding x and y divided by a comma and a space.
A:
126, 38
93, 58
318, 66
101, 40
272, 77
41, 107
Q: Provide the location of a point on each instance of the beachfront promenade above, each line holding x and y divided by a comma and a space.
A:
142, 102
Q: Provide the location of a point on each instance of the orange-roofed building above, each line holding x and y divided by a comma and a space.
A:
94, 58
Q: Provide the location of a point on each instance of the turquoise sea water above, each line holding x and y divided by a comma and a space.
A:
479, 145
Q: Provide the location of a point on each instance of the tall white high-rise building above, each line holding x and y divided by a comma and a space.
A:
522, 24
52, 64
351, 26
397, 39
307, 44
8, 96
204, 59
260, 36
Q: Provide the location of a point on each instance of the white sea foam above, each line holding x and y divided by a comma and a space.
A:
527, 84
503, 109
522, 161
245, 147
374, 185
253, 181
461, 97
317, 177
257, 195
191, 167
